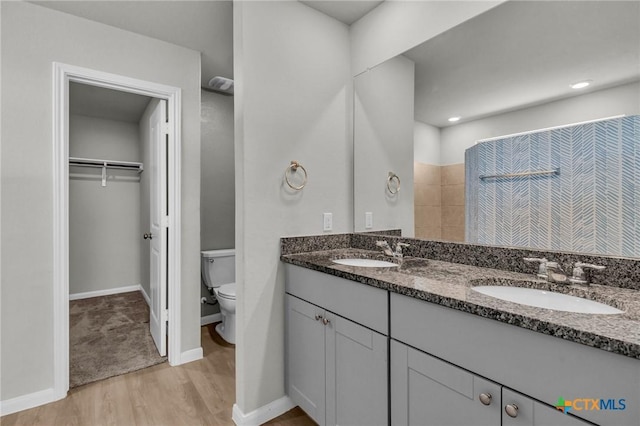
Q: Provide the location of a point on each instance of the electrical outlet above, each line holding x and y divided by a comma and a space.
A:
368, 220
327, 221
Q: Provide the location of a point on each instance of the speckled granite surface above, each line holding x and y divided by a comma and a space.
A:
619, 272
290, 245
450, 284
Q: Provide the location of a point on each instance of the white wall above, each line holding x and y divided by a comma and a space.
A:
104, 229
292, 102
32, 38
383, 143
426, 143
397, 26
623, 99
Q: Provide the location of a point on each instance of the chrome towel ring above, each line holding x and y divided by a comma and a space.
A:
391, 186
293, 167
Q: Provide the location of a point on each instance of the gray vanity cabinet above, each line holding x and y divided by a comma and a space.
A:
427, 391
540, 366
305, 357
336, 349
356, 374
336, 369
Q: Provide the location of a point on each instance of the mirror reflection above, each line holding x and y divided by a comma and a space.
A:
502, 73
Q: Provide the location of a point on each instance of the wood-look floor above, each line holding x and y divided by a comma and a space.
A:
198, 393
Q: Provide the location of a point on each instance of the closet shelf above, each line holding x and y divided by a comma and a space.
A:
105, 164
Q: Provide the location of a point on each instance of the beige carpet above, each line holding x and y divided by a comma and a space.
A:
109, 336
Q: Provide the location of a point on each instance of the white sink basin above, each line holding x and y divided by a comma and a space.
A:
365, 263
547, 300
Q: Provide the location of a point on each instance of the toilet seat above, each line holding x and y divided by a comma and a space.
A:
227, 291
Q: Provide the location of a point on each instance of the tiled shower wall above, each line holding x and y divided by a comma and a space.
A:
591, 206
439, 201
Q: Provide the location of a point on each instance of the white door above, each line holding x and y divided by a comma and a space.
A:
158, 231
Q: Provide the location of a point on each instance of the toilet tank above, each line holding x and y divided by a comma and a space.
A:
218, 267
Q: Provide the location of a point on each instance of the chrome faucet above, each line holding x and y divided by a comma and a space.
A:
386, 249
542, 269
582, 272
555, 274
398, 251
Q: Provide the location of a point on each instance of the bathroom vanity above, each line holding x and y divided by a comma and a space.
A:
414, 344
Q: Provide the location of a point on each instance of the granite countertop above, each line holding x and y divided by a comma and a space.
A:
450, 285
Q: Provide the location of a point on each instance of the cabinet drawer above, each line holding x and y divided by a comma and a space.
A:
360, 303
536, 364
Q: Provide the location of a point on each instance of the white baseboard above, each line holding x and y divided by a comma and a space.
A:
88, 294
25, 402
262, 414
191, 355
210, 319
145, 295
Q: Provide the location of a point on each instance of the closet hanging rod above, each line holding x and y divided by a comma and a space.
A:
110, 164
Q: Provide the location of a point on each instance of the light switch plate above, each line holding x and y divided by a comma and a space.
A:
368, 220
327, 221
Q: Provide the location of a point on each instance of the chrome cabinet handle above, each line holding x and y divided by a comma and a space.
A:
318, 317
511, 410
485, 398
148, 236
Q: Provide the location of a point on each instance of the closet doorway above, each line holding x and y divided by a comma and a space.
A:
116, 216
114, 144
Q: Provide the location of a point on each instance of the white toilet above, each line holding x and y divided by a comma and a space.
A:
219, 272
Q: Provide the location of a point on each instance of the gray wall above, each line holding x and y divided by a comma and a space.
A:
217, 198
104, 229
292, 102
383, 143
32, 38
623, 99
426, 143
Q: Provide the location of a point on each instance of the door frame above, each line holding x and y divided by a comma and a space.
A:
63, 74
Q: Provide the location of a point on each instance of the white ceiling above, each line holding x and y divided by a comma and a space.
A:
524, 53
99, 102
346, 11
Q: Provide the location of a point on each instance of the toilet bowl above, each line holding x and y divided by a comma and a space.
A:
219, 273
226, 295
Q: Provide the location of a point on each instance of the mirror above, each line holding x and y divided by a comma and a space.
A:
504, 72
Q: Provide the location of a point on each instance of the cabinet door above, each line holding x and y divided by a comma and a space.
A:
427, 391
533, 413
305, 357
357, 384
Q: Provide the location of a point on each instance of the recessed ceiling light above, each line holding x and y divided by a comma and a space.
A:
581, 84
454, 119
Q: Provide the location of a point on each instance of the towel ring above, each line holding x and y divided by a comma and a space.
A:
293, 167
390, 186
